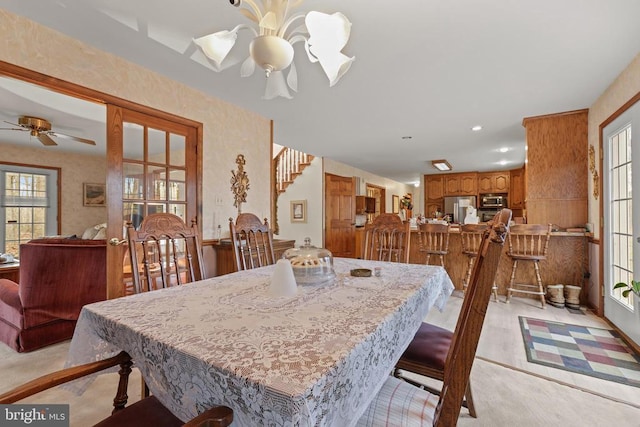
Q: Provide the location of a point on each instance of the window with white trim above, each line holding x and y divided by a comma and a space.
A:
621, 212
28, 205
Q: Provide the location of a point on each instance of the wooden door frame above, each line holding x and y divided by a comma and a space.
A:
114, 263
383, 198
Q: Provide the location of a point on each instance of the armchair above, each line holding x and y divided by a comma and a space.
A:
57, 277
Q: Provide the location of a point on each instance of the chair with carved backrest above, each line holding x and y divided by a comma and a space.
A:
148, 411
252, 242
400, 402
433, 239
166, 251
387, 239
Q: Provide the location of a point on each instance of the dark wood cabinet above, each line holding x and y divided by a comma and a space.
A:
365, 204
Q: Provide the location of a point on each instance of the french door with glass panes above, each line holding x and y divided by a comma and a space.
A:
152, 168
621, 201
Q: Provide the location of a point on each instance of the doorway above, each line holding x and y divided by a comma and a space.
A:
621, 208
122, 117
340, 215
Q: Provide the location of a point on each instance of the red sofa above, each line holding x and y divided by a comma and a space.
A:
57, 277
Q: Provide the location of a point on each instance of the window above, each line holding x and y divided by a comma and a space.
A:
28, 205
621, 208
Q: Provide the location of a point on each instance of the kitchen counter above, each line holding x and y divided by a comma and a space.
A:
566, 263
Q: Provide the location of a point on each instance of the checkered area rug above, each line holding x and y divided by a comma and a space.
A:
600, 353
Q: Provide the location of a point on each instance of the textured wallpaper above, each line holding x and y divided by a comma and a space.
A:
228, 129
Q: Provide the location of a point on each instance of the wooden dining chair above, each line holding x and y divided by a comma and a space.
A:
252, 242
166, 251
148, 411
448, 356
387, 238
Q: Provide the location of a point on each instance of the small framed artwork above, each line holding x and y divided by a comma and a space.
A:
94, 194
298, 211
395, 203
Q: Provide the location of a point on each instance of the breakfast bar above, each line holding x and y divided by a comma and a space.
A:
566, 263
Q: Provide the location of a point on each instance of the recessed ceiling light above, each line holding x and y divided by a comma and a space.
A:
407, 137
503, 150
476, 128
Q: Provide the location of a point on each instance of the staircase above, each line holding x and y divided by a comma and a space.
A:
288, 165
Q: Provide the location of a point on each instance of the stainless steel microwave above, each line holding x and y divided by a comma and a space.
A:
493, 201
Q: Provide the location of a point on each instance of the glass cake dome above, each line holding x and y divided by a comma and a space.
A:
311, 265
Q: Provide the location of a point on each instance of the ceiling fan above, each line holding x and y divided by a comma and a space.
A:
41, 129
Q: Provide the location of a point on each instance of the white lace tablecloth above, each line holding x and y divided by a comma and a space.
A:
315, 359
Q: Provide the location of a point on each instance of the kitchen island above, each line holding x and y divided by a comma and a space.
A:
566, 263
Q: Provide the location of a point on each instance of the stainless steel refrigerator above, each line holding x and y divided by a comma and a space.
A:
456, 207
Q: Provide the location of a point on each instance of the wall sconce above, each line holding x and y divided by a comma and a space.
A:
441, 165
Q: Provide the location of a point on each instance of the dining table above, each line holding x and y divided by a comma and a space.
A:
315, 358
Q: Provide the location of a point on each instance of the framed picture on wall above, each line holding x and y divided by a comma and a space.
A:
94, 194
395, 203
298, 211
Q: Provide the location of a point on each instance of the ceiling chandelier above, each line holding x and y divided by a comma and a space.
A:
324, 37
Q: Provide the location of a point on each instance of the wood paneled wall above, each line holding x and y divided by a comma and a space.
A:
557, 169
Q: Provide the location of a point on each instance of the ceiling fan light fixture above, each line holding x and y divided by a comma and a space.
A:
441, 165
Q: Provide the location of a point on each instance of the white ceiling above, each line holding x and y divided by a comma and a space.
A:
429, 69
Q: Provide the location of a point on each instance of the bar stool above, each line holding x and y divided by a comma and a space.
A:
433, 239
470, 237
528, 243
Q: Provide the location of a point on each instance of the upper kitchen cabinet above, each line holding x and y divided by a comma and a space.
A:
516, 189
365, 205
433, 194
461, 184
493, 182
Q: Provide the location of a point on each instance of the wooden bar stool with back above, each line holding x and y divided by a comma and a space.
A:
470, 237
528, 243
433, 239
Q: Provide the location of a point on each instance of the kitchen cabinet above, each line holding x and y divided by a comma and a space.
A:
461, 184
359, 242
493, 182
365, 205
433, 194
516, 189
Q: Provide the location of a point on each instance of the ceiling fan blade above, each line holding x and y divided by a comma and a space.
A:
75, 138
16, 124
20, 129
44, 138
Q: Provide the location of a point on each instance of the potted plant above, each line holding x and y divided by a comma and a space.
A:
633, 287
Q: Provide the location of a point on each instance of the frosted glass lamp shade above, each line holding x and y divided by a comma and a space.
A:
216, 46
272, 53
